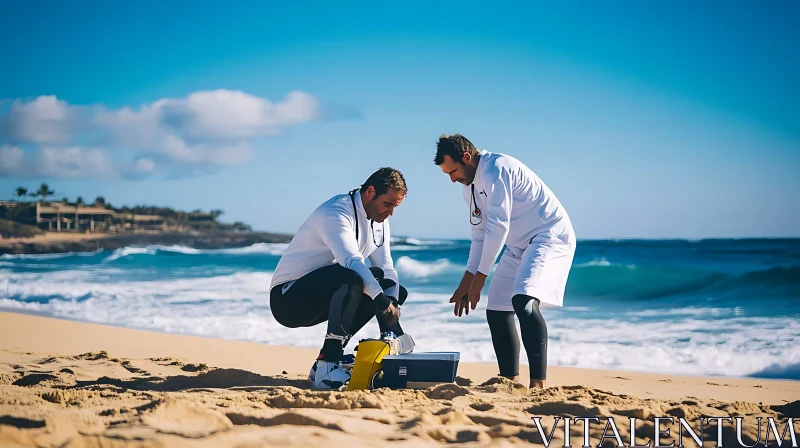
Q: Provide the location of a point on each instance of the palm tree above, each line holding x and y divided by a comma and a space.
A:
21, 192
100, 201
44, 191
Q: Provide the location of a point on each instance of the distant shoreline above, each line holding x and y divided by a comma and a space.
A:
62, 242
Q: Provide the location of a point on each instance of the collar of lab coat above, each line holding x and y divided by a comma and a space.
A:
361, 212
481, 165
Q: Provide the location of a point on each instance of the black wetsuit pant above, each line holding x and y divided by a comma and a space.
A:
506, 341
334, 294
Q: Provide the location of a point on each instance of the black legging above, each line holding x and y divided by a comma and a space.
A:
506, 341
333, 293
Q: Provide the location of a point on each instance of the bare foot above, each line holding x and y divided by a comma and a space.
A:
512, 378
539, 384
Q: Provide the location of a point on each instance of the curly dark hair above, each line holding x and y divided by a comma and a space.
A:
455, 146
386, 178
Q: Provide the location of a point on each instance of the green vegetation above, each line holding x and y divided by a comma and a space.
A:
13, 229
24, 213
44, 191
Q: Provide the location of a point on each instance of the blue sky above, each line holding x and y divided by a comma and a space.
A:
647, 119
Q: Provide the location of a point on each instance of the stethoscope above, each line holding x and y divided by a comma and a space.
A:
371, 222
475, 213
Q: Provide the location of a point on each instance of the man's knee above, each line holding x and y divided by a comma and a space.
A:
524, 304
403, 295
352, 279
402, 292
388, 283
530, 318
294, 318
377, 273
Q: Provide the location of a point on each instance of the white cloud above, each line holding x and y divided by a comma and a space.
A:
144, 165
204, 154
140, 168
11, 160
217, 115
53, 161
225, 114
73, 162
43, 120
126, 127
206, 129
298, 107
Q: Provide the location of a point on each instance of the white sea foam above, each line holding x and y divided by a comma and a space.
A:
258, 248
603, 262
577, 308
84, 285
410, 248
688, 311
49, 256
125, 251
728, 347
417, 242
236, 306
414, 269
176, 249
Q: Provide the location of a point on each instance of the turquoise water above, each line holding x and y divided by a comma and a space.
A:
705, 307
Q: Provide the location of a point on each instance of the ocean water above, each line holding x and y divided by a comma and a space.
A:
706, 307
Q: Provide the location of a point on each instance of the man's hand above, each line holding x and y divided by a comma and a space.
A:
460, 305
475, 288
386, 309
391, 315
459, 298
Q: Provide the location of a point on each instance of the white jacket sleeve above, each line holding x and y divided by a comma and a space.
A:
498, 217
337, 230
382, 258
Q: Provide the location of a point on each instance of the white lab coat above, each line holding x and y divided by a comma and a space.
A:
518, 210
328, 236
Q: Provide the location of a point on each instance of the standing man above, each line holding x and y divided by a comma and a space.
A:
509, 204
322, 275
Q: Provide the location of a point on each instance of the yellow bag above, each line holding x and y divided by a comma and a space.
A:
369, 356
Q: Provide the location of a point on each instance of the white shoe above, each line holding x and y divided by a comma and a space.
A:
399, 345
330, 376
406, 344
346, 361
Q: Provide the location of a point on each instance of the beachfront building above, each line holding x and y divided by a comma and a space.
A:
142, 222
58, 216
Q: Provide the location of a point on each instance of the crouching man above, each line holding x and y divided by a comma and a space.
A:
322, 275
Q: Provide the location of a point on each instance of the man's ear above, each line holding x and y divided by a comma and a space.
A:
371, 192
466, 158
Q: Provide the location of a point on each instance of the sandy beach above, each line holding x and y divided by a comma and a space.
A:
75, 384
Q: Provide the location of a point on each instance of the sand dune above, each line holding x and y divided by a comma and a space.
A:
99, 399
